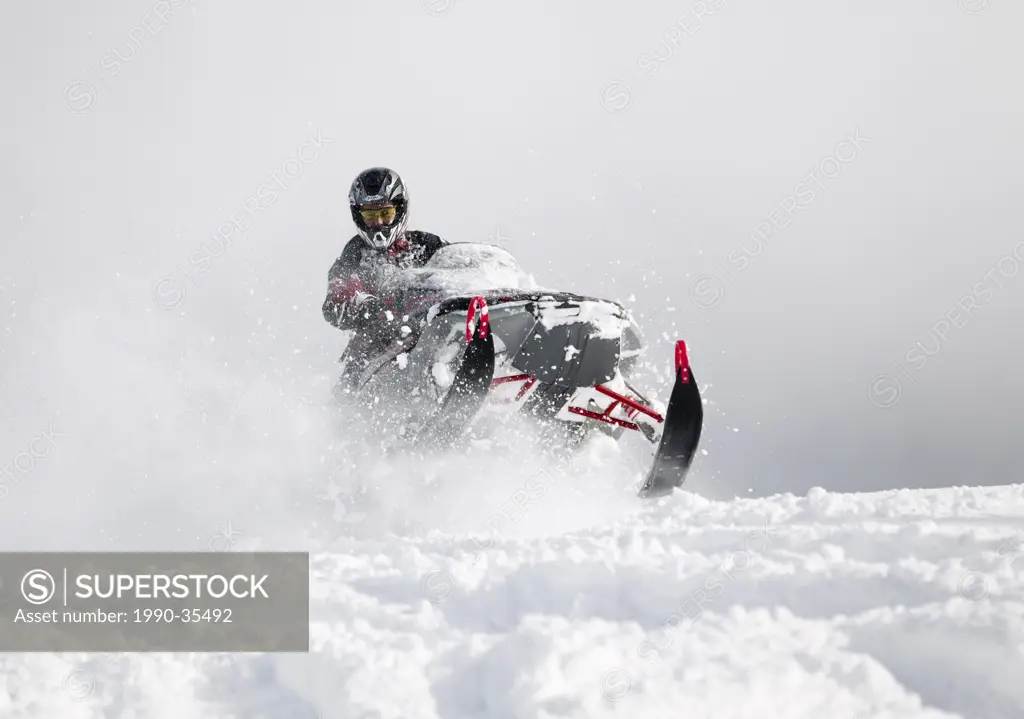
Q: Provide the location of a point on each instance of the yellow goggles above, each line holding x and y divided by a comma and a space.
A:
381, 213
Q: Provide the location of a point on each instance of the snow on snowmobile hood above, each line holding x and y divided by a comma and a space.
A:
463, 268
607, 319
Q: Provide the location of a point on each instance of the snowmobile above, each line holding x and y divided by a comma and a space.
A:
469, 333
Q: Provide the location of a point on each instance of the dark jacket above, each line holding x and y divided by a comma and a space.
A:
360, 269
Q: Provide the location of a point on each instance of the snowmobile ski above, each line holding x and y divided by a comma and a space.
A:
471, 385
681, 434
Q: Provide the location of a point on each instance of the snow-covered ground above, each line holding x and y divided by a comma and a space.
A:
827, 606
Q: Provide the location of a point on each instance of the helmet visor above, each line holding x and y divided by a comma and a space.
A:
378, 215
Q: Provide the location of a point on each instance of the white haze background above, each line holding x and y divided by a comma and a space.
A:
540, 125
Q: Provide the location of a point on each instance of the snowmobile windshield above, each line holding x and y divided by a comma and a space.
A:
463, 268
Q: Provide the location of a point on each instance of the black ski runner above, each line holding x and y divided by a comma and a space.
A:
681, 435
471, 384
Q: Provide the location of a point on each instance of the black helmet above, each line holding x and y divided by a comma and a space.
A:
371, 198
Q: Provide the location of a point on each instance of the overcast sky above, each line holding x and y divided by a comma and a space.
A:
822, 198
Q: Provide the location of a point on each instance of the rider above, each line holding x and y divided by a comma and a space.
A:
379, 202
